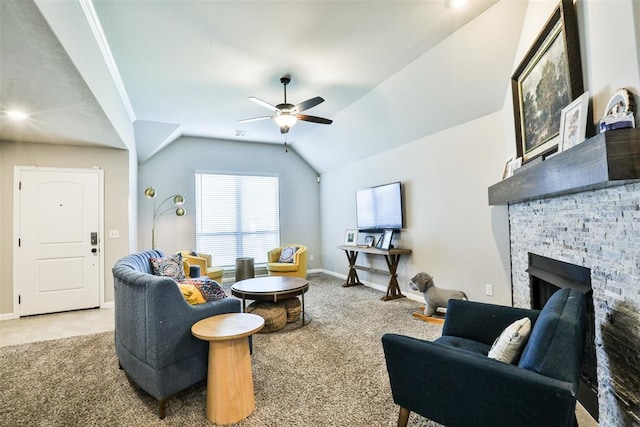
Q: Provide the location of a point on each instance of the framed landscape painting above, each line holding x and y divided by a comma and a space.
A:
547, 80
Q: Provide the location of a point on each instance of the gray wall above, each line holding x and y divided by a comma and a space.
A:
452, 231
172, 171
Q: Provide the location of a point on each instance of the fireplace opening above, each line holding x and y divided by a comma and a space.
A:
547, 276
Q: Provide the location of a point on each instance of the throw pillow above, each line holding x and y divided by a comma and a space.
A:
507, 347
191, 294
168, 267
287, 253
210, 289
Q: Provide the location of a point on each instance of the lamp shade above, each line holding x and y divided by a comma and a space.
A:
181, 211
178, 200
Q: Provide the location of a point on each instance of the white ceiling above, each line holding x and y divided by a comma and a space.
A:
189, 66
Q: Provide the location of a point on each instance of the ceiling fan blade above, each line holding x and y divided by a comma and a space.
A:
314, 119
254, 119
305, 105
265, 104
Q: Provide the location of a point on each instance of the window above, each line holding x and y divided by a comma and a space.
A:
237, 216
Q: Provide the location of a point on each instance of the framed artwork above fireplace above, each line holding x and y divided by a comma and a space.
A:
547, 80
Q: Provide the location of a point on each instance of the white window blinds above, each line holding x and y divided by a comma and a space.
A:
237, 216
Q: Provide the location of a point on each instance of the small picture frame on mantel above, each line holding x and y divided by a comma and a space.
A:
573, 123
511, 166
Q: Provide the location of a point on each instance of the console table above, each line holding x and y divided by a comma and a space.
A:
391, 256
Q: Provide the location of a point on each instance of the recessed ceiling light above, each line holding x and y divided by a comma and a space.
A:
16, 115
456, 4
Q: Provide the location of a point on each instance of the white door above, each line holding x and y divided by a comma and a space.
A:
57, 264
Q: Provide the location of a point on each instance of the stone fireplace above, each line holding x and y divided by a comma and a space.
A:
598, 230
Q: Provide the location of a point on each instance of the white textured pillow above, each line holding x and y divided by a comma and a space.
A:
511, 341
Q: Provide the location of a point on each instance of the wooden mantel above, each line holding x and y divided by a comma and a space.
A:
607, 159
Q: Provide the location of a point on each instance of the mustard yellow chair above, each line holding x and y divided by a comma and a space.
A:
204, 261
297, 268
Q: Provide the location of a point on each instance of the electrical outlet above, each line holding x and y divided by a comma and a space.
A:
114, 234
311, 257
488, 290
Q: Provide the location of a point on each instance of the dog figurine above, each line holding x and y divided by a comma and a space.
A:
434, 297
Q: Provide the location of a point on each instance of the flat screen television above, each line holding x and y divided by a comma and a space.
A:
380, 207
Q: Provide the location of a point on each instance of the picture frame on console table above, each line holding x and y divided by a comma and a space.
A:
350, 237
548, 79
385, 240
368, 241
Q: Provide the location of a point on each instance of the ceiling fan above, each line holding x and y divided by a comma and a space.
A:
286, 115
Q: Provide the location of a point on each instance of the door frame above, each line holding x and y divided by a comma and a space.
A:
17, 171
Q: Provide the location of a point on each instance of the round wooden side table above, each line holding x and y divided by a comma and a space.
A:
230, 395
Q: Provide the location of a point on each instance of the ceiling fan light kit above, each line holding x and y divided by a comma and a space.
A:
287, 115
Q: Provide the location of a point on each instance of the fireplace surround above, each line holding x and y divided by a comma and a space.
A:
582, 206
599, 230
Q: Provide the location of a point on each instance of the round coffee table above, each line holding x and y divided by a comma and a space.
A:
230, 395
271, 288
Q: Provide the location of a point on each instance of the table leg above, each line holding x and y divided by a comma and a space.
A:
302, 295
244, 303
352, 277
230, 396
393, 288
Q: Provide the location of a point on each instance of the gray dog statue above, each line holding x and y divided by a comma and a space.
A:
434, 297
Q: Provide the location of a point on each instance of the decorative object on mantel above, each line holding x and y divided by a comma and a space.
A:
178, 201
434, 297
511, 166
573, 122
620, 111
548, 78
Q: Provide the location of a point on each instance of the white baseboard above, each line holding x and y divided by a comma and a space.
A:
8, 316
417, 298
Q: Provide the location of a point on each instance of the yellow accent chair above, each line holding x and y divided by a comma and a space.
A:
204, 261
297, 268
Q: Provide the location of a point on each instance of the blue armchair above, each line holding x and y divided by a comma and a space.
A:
153, 322
453, 382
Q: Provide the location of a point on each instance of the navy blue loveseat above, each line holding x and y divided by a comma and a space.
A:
453, 382
153, 322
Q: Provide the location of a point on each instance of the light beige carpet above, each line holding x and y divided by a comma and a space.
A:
330, 372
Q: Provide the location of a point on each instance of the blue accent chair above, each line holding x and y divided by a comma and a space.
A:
153, 322
453, 382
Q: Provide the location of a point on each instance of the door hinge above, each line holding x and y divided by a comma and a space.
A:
19, 299
19, 242
19, 185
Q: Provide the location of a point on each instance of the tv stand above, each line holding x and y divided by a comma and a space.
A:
391, 256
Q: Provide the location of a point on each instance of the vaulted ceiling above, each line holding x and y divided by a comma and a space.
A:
86, 70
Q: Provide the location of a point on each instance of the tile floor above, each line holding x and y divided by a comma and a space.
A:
82, 322
54, 326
